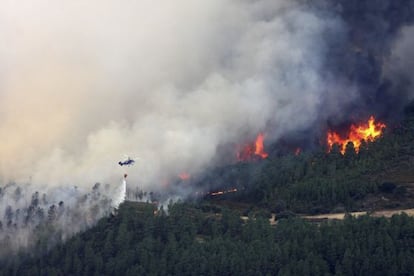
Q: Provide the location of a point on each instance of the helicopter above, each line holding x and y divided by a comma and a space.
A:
127, 162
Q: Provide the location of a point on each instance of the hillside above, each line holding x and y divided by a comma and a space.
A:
190, 241
224, 231
379, 177
231, 232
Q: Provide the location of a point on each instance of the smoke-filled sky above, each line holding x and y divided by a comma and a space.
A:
84, 82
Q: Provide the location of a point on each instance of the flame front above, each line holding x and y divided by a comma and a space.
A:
254, 150
368, 131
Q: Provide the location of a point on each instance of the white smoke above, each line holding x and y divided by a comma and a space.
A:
120, 194
84, 82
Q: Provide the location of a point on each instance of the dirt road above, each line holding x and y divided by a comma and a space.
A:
340, 216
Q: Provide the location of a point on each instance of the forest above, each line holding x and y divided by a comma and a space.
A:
318, 181
189, 241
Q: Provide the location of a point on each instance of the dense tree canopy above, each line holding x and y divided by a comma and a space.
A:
191, 242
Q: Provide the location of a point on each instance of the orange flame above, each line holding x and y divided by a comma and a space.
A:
259, 149
253, 150
184, 176
368, 131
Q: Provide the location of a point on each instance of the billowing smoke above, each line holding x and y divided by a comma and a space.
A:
84, 82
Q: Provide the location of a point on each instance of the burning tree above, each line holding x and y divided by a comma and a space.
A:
368, 131
253, 151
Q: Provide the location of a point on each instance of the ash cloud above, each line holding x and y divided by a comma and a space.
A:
84, 82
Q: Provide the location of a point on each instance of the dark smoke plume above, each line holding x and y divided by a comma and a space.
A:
368, 54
